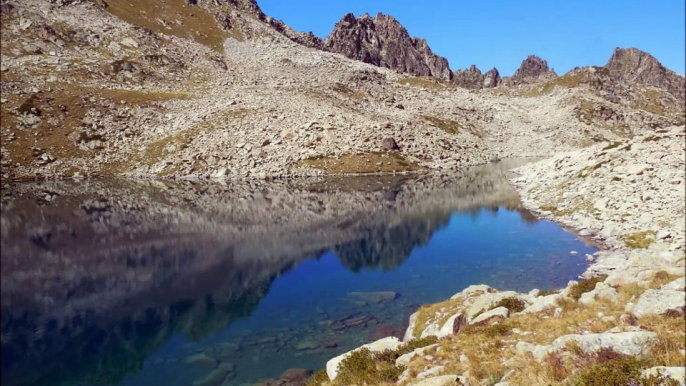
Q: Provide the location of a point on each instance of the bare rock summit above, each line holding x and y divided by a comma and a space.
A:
533, 69
473, 79
632, 65
384, 42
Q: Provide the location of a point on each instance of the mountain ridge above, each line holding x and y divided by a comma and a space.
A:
218, 89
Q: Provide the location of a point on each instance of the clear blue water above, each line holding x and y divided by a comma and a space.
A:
144, 318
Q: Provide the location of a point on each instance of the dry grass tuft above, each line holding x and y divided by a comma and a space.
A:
172, 17
639, 240
366, 163
426, 82
450, 127
585, 286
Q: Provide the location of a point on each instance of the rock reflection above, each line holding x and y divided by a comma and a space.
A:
96, 275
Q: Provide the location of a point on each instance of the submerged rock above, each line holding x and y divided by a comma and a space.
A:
201, 360
307, 345
375, 297
385, 330
291, 376
217, 376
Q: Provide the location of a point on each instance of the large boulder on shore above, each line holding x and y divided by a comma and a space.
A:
669, 298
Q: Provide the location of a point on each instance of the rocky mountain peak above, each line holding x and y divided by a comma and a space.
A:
470, 78
635, 66
492, 78
532, 69
473, 79
384, 42
249, 6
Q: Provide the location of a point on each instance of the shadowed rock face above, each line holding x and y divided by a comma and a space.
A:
384, 42
533, 69
474, 80
492, 78
635, 66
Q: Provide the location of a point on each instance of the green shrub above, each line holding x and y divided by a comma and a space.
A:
318, 378
620, 372
512, 303
639, 240
363, 367
415, 344
585, 286
491, 331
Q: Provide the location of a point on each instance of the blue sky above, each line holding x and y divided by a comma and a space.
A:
501, 34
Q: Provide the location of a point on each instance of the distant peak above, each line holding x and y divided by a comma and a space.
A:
533, 68
384, 42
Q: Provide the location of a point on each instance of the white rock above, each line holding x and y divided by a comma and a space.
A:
220, 173
128, 42
602, 291
539, 352
406, 358
499, 312
676, 285
676, 373
656, 302
637, 168
542, 303
431, 372
433, 329
662, 234
472, 290
388, 343
410, 329
449, 326
443, 380
487, 300
627, 343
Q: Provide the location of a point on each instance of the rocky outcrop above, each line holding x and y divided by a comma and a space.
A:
669, 298
632, 65
473, 79
492, 78
533, 69
627, 343
608, 181
384, 42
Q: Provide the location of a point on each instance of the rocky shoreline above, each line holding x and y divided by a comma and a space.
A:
628, 310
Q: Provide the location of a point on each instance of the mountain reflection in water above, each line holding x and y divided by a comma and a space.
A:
99, 275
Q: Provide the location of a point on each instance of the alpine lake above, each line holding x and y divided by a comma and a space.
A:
148, 282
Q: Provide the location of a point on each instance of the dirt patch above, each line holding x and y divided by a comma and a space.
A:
362, 164
450, 127
426, 82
